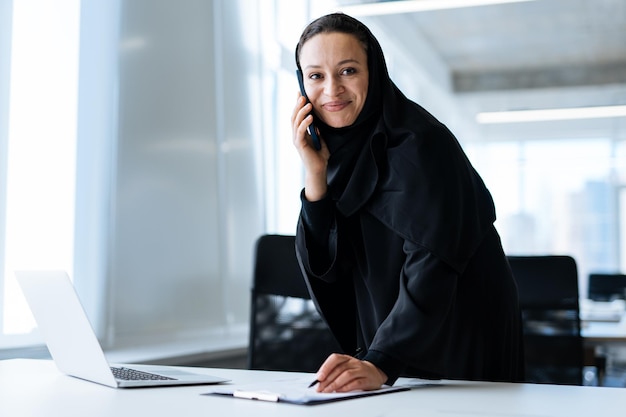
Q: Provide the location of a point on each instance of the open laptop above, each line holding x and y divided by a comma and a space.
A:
73, 344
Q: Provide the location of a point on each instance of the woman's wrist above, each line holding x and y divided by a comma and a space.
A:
315, 188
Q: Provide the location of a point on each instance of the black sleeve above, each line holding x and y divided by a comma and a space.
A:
316, 234
317, 251
317, 217
393, 368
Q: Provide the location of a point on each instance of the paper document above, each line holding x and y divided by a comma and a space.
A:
294, 390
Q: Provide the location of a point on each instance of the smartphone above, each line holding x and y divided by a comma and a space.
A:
311, 129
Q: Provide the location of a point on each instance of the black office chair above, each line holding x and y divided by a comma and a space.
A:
607, 287
548, 296
286, 331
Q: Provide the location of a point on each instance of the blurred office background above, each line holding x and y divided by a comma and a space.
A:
146, 144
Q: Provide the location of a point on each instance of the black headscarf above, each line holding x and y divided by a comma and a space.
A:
405, 167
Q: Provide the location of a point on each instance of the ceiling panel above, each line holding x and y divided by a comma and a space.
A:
525, 45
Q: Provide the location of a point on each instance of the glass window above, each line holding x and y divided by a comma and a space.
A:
38, 203
556, 197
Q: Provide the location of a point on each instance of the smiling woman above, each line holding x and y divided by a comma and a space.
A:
395, 237
336, 82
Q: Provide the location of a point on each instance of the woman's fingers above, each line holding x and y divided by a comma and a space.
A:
343, 373
300, 120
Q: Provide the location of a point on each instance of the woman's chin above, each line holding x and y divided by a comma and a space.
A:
339, 123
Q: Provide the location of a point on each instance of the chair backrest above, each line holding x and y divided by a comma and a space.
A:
607, 287
548, 298
286, 331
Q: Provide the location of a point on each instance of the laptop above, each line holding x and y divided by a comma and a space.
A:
73, 344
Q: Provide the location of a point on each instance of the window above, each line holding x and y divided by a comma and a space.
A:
156, 164
37, 206
556, 196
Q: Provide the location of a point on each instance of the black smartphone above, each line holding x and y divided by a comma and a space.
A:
311, 129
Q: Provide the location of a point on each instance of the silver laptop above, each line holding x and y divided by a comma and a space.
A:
73, 344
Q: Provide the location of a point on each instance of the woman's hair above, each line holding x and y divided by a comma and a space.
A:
336, 22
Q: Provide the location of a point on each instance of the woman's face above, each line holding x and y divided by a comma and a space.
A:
336, 77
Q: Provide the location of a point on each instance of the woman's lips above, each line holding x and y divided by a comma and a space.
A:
334, 106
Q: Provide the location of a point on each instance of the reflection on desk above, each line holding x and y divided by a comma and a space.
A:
35, 388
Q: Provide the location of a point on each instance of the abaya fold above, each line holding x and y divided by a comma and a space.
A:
401, 256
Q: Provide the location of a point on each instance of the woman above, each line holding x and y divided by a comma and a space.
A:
395, 236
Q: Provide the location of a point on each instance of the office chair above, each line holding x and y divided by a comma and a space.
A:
286, 331
607, 287
548, 298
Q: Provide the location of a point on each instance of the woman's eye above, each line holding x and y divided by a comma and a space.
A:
315, 76
348, 71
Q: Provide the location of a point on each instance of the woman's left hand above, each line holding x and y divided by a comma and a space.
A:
343, 373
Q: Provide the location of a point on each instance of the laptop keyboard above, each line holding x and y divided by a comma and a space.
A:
127, 374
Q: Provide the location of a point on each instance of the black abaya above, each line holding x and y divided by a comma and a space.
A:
401, 257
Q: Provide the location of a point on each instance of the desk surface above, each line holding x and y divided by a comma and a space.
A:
598, 331
603, 322
33, 388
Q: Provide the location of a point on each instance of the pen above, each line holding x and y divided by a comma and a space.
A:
313, 383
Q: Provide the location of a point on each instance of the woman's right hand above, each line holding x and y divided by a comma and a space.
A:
315, 162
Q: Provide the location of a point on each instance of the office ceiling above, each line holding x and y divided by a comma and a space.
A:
526, 45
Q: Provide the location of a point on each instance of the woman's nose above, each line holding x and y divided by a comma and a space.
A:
332, 87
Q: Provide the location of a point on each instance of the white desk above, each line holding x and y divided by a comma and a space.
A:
34, 388
604, 332
605, 337
606, 340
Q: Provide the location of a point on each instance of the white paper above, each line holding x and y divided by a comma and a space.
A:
293, 390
